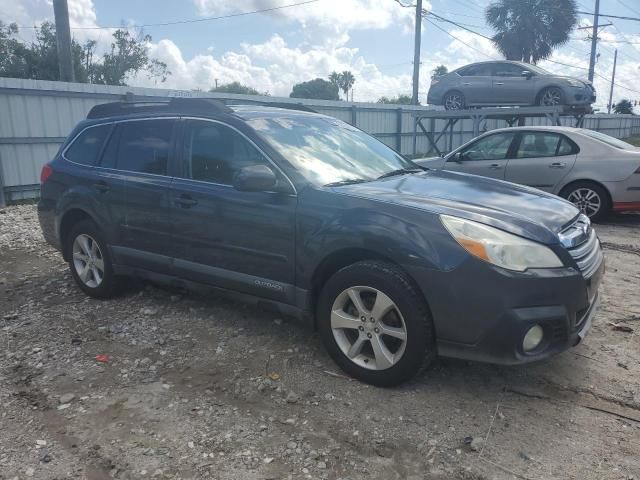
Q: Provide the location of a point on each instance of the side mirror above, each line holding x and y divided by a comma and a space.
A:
255, 178
456, 158
527, 74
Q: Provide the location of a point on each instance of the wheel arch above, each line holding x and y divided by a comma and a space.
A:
339, 259
70, 218
564, 187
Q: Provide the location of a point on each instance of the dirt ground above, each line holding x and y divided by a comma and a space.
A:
196, 387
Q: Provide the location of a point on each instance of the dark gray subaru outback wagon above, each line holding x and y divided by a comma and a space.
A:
393, 263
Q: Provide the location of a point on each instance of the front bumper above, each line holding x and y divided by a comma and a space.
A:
580, 95
482, 312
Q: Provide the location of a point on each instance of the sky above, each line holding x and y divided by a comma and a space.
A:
271, 51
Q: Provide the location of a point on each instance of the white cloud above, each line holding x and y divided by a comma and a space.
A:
323, 19
283, 67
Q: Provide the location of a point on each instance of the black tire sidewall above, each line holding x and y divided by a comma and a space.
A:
605, 203
393, 282
107, 287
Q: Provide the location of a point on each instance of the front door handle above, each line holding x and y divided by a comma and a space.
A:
185, 201
495, 166
101, 186
499, 83
466, 83
558, 165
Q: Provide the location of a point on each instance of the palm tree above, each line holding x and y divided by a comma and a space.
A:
529, 30
347, 83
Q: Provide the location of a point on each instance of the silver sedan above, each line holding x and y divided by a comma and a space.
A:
596, 172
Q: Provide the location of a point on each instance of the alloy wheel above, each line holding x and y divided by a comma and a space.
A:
454, 101
88, 260
587, 200
551, 97
368, 328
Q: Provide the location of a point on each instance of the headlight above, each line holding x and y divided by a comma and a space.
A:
498, 247
575, 83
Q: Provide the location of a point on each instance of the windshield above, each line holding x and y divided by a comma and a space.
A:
604, 138
326, 150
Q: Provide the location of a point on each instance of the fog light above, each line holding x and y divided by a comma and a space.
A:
533, 338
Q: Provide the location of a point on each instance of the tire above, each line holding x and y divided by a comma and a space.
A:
90, 262
454, 100
550, 97
586, 195
361, 347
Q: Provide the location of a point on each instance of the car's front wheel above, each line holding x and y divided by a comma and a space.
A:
375, 324
590, 198
89, 261
551, 97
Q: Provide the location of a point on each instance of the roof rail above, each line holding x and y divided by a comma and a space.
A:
172, 105
289, 106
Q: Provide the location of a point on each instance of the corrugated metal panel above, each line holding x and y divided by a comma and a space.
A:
36, 115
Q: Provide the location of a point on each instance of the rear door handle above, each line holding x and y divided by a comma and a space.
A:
558, 165
495, 166
185, 201
101, 186
466, 83
499, 83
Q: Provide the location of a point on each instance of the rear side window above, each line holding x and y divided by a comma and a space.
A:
480, 70
543, 144
140, 146
87, 146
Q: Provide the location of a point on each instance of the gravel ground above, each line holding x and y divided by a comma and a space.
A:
159, 384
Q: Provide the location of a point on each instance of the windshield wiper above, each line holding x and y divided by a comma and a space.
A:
348, 181
400, 171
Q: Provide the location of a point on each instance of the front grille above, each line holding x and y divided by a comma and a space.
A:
582, 243
588, 255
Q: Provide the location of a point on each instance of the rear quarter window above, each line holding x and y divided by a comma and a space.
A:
87, 146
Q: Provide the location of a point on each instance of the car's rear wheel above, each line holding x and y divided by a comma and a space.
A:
454, 100
375, 324
89, 261
550, 97
590, 198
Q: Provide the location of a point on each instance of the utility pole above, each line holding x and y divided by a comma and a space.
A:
416, 52
594, 41
613, 79
63, 39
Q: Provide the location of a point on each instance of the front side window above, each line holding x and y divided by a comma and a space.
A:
215, 153
86, 148
508, 70
325, 150
493, 147
542, 144
140, 146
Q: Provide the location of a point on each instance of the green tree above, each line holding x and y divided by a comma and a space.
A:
401, 99
336, 79
348, 79
236, 87
529, 30
317, 88
439, 71
128, 55
624, 106
39, 59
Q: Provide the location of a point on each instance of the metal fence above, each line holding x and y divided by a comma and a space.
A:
37, 115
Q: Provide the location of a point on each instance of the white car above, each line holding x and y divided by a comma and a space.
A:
596, 172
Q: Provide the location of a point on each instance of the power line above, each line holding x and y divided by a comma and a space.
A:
195, 20
619, 17
461, 41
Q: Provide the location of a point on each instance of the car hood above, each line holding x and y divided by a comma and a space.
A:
521, 210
